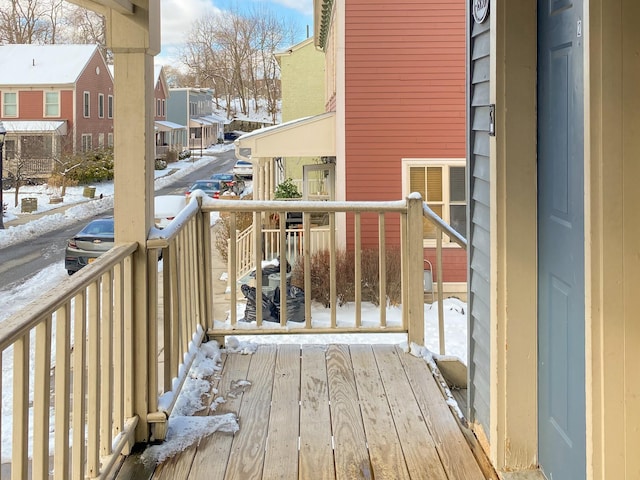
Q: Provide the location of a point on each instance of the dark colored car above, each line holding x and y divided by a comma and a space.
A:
88, 244
230, 182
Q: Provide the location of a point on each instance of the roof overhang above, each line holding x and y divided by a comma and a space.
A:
166, 126
199, 122
55, 127
304, 137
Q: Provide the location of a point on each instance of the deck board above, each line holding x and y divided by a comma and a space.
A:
385, 451
246, 459
350, 445
454, 452
213, 451
284, 421
419, 449
316, 449
329, 412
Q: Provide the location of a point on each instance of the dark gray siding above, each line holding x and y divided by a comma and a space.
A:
479, 209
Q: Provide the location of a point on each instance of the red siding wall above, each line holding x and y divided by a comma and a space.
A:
404, 94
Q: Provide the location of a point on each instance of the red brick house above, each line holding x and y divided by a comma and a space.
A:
54, 99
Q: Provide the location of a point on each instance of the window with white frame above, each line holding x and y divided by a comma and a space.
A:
158, 114
101, 105
109, 139
86, 105
52, 104
101, 140
442, 184
110, 106
86, 142
163, 110
9, 104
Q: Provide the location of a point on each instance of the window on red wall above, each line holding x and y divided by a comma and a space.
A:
9, 104
86, 105
100, 105
442, 184
52, 104
86, 142
110, 106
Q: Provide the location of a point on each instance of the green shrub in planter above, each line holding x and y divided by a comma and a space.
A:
287, 189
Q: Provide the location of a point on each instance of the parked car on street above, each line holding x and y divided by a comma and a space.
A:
230, 181
88, 244
208, 186
243, 169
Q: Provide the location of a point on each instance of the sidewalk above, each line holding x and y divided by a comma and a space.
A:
25, 218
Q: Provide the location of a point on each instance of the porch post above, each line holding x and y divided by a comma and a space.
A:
415, 269
134, 40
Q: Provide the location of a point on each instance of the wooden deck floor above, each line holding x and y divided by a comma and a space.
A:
327, 412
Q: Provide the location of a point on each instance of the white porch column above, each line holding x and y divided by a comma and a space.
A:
134, 40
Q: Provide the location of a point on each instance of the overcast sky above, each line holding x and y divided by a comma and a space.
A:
177, 16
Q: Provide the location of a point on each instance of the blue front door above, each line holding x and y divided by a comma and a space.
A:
561, 325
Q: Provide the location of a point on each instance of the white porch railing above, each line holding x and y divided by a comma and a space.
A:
407, 218
69, 359
70, 353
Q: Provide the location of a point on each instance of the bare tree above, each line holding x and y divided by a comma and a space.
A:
49, 22
232, 54
26, 21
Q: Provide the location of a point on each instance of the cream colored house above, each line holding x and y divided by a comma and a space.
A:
302, 77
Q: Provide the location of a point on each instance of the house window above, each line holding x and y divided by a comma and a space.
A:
110, 106
101, 105
36, 147
101, 140
10, 149
86, 142
158, 107
52, 104
442, 184
109, 139
10, 104
86, 105
163, 109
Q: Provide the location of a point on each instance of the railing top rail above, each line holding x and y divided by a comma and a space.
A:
446, 228
27, 318
159, 238
212, 205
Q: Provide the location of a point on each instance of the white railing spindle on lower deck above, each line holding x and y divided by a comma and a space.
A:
81, 314
41, 400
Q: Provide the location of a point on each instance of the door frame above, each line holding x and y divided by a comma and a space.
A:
612, 119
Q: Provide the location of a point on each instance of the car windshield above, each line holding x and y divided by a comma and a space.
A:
99, 227
212, 185
226, 177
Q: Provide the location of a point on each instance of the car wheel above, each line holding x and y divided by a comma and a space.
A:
71, 272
